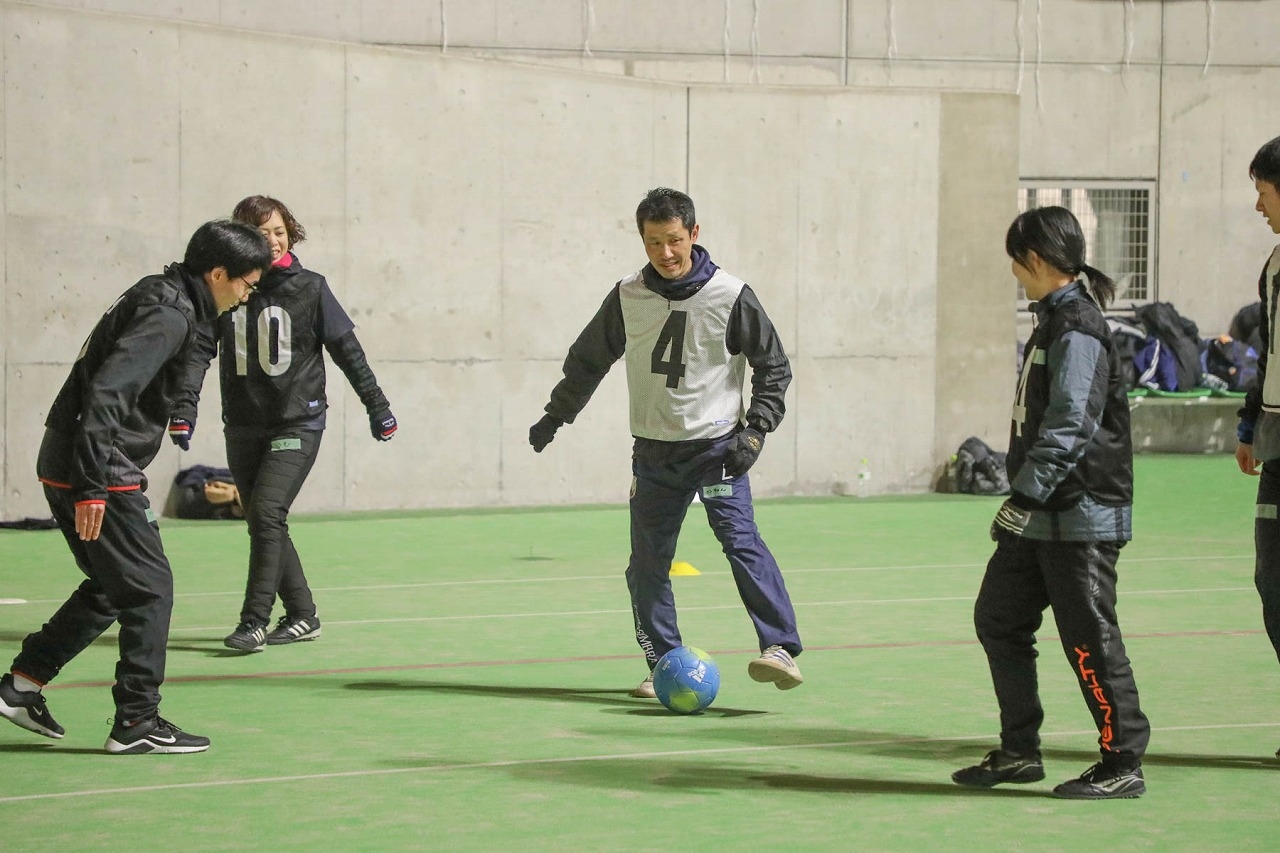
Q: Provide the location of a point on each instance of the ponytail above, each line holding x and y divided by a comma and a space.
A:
1100, 285
1054, 234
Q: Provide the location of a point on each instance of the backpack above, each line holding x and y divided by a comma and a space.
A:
1179, 336
1232, 361
1126, 341
980, 470
1155, 366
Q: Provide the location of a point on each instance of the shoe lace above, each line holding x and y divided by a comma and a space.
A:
777, 653
1100, 773
162, 723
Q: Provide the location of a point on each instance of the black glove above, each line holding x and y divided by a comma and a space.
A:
180, 431
541, 433
382, 424
1011, 518
744, 452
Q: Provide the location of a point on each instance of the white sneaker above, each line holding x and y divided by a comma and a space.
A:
776, 665
644, 690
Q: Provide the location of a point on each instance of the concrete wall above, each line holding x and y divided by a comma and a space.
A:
972, 298
472, 214
1176, 91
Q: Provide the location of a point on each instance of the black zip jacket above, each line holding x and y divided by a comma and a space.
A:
108, 421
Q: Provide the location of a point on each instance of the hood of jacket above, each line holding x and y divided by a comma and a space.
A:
682, 288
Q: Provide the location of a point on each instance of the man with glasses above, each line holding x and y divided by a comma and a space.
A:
103, 429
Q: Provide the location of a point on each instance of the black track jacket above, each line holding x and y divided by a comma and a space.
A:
109, 419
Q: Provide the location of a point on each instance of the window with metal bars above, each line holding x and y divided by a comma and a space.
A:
1118, 220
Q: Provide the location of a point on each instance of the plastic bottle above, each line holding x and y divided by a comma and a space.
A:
864, 479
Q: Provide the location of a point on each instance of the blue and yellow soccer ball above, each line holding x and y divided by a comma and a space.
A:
686, 680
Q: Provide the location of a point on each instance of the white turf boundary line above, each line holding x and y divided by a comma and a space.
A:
545, 614
712, 573
577, 759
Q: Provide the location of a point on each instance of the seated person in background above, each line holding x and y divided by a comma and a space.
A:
201, 492
1246, 325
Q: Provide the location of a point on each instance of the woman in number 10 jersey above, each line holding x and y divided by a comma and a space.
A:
272, 375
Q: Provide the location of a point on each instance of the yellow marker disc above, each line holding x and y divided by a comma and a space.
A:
683, 569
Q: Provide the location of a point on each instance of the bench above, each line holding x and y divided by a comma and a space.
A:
1199, 421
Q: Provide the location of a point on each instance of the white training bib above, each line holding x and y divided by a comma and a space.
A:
684, 383
1271, 384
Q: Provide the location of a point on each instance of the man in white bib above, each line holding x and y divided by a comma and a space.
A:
689, 331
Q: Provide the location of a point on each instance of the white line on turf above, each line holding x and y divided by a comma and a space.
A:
575, 759
613, 577
557, 614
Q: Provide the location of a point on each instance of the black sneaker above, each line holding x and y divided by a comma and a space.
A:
247, 637
27, 709
998, 767
1101, 782
291, 630
154, 735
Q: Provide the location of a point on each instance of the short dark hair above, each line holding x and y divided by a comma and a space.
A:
664, 204
232, 245
257, 209
1054, 234
1266, 163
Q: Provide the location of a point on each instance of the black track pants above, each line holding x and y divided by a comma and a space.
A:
1266, 539
1078, 581
269, 469
127, 579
